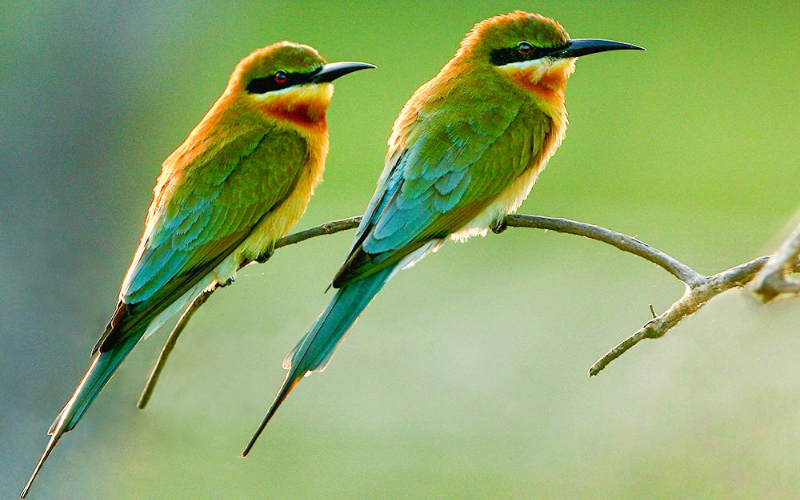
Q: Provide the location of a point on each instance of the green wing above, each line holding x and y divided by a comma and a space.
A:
453, 166
201, 214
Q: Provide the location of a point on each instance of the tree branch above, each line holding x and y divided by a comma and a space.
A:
699, 288
693, 299
621, 241
773, 280
331, 227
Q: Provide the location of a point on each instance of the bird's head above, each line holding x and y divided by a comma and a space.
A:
533, 51
288, 82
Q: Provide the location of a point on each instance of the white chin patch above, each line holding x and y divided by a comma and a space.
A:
308, 89
542, 62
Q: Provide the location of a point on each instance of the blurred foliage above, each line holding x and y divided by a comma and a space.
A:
466, 378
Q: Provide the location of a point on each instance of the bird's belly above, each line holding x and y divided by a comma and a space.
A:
510, 198
280, 220
506, 202
275, 226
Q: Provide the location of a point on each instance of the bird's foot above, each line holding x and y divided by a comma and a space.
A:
500, 226
264, 256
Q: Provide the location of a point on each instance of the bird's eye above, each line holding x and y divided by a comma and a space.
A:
524, 48
281, 77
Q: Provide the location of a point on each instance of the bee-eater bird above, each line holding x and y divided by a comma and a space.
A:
238, 183
464, 152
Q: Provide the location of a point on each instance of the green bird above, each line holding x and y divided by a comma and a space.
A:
464, 152
238, 183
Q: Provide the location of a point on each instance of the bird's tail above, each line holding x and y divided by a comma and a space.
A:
314, 351
100, 371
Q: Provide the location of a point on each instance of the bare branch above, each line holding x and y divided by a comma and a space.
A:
621, 241
322, 230
693, 299
773, 280
699, 288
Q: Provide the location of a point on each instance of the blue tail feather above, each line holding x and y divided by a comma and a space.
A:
314, 351
102, 368
316, 348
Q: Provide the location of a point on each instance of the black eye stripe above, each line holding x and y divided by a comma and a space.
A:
501, 57
270, 83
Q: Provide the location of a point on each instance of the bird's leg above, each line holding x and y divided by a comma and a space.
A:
147, 392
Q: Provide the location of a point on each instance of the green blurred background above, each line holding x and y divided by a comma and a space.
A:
466, 378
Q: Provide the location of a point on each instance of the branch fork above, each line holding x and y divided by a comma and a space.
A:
774, 280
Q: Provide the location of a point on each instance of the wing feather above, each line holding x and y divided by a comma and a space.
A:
447, 174
199, 219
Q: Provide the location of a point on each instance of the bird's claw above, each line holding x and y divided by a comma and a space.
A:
500, 226
264, 256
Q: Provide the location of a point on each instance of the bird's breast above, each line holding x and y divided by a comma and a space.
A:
536, 151
284, 216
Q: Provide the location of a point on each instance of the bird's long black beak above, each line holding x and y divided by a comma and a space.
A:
332, 71
585, 46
